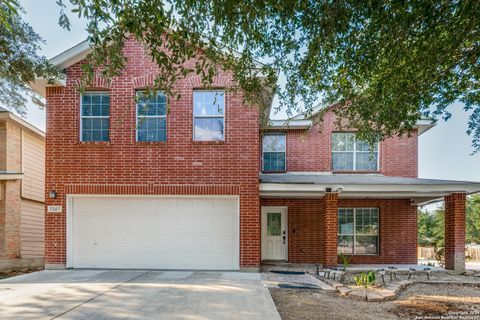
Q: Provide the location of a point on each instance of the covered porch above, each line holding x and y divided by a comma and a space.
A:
308, 218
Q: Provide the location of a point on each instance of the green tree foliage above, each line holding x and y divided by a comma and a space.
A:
20, 61
473, 219
431, 225
386, 64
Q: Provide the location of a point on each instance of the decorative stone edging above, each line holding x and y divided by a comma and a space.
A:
390, 292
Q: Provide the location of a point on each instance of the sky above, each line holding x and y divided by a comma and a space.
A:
444, 151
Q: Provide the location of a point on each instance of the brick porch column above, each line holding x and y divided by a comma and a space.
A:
455, 232
330, 229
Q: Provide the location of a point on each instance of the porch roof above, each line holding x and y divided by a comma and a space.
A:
361, 186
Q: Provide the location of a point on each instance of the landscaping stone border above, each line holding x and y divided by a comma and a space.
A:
389, 292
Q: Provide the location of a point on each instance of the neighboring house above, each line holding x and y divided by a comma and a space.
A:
22, 200
199, 185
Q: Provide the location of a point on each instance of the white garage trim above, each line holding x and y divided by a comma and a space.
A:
70, 227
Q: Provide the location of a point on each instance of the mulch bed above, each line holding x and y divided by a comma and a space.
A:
12, 273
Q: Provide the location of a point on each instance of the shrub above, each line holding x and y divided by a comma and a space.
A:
365, 279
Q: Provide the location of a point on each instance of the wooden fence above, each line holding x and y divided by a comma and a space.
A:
427, 253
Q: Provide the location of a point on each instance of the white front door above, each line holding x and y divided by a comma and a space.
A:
274, 233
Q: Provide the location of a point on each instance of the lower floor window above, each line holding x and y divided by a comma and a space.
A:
358, 231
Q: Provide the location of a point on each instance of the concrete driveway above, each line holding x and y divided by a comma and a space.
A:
121, 294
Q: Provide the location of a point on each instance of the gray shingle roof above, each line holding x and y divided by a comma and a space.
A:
353, 179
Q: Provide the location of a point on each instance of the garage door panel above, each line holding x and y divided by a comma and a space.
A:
205, 221
155, 232
225, 206
205, 207
205, 244
224, 225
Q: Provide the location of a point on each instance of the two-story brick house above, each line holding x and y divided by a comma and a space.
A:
196, 183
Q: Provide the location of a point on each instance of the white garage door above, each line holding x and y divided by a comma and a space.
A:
154, 233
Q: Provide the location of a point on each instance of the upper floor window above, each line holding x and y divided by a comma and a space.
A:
349, 154
274, 152
151, 116
95, 115
358, 230
208, 115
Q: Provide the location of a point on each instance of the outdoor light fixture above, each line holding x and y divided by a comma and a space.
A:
53, 194
382, 273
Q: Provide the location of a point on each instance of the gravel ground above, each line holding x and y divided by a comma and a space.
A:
420, 301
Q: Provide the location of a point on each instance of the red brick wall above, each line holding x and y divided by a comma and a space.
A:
152, 168
330, 229
310, 150
398, 230
455, 232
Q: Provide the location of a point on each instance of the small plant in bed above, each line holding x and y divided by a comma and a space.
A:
345, 260
365, 279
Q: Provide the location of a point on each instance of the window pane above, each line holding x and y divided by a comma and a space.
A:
366, 161
95, 129
152, 129
274, 143
208, 129
345, 221
345, 244
96, 104
363, 146
342, 161
274, 224
208, 103
151, 106
87, 135
366, 244
274, 161
342, 141
366, 221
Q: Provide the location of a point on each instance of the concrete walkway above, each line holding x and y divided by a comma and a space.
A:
305, 281
115, 294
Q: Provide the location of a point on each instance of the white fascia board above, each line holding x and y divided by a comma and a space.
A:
416, 199
423, 125
289, 124
71, 56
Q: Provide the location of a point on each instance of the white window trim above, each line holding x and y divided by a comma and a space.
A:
263, 149
354, 234
93, 117
355, 155
209, 116
138, 116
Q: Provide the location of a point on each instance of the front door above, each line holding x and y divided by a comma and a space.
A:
274, 233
